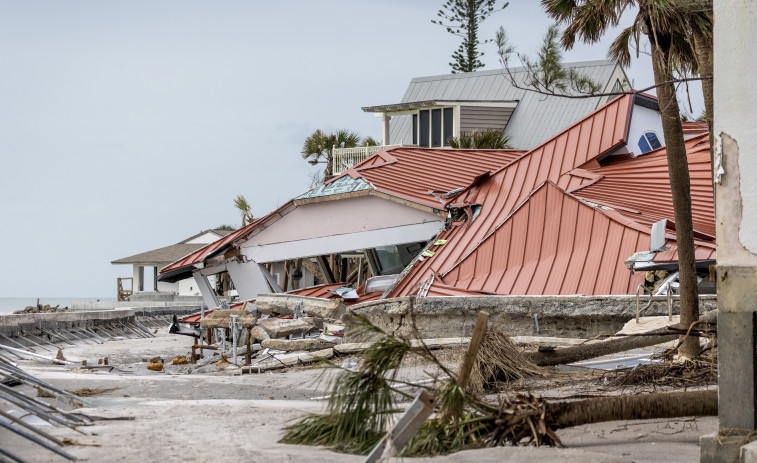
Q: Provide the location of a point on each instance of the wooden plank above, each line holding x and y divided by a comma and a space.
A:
475, 342
401, 433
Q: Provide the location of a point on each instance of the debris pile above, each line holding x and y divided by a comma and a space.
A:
39, 308
449, 415
270, 333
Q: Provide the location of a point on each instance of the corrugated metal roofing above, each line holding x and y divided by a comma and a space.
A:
322, 291
537, 116
532, 237
199, 255
413, 173
639, 188
500, 193
694, 128
552, 244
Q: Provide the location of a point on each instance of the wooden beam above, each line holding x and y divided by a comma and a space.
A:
475, 343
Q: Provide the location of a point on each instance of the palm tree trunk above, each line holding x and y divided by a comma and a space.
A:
633, 407
703, 48
680, 186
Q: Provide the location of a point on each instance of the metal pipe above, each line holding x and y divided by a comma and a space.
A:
28, 337
10, 455
58, 336
649, 303
16, 343
670, 303
536, 321
34, 381
234, 337
31, 428
13, 349
38, 441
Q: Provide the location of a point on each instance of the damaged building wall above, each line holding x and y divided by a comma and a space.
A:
734, 171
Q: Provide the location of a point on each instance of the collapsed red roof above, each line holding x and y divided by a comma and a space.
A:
531, 236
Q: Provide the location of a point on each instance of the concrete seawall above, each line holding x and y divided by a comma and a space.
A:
564, 316
15, 325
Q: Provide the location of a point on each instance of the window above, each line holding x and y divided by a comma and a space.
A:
415, 129
447, 126
649, 142
433, 128
436, 127
423, 127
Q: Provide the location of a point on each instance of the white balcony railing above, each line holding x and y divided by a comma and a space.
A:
344, 158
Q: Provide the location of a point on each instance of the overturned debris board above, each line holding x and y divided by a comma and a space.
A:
288, 360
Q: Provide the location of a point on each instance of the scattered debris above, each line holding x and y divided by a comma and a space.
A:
155, 366
87, 392
180, 360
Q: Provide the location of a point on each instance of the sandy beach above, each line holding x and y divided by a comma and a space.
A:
224, 416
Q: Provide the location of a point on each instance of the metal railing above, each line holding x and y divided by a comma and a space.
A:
344, 158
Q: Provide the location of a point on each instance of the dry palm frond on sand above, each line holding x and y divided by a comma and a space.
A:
500, 361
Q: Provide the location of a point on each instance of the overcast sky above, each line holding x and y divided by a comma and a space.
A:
127, 126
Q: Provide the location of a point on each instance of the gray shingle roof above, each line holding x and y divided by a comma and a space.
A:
536, 118
169, 254
164, 255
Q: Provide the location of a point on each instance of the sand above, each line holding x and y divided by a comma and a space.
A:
221, 415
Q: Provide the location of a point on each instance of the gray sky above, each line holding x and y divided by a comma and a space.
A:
127, 126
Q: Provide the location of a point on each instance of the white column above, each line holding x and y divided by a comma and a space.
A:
139, 278
385, 119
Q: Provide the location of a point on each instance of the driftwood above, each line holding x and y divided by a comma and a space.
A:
612, 346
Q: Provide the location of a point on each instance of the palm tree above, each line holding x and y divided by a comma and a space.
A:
489, 139
244, 209
667, 24
318, 147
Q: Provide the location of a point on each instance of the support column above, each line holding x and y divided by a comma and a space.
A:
385, 119
139, 278
155, 278
734, 168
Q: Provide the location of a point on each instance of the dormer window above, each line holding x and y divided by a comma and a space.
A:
433, 127
649, 142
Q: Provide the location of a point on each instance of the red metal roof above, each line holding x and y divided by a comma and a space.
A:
413, 173
531, 237
694, 128
409, 173
639, 188
552, 244
198, 256
322, 291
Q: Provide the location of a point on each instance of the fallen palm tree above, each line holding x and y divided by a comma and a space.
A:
615, 345
363, 403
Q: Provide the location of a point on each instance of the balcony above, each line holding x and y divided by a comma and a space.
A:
344, 158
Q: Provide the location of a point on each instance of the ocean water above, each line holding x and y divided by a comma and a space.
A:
11, 304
